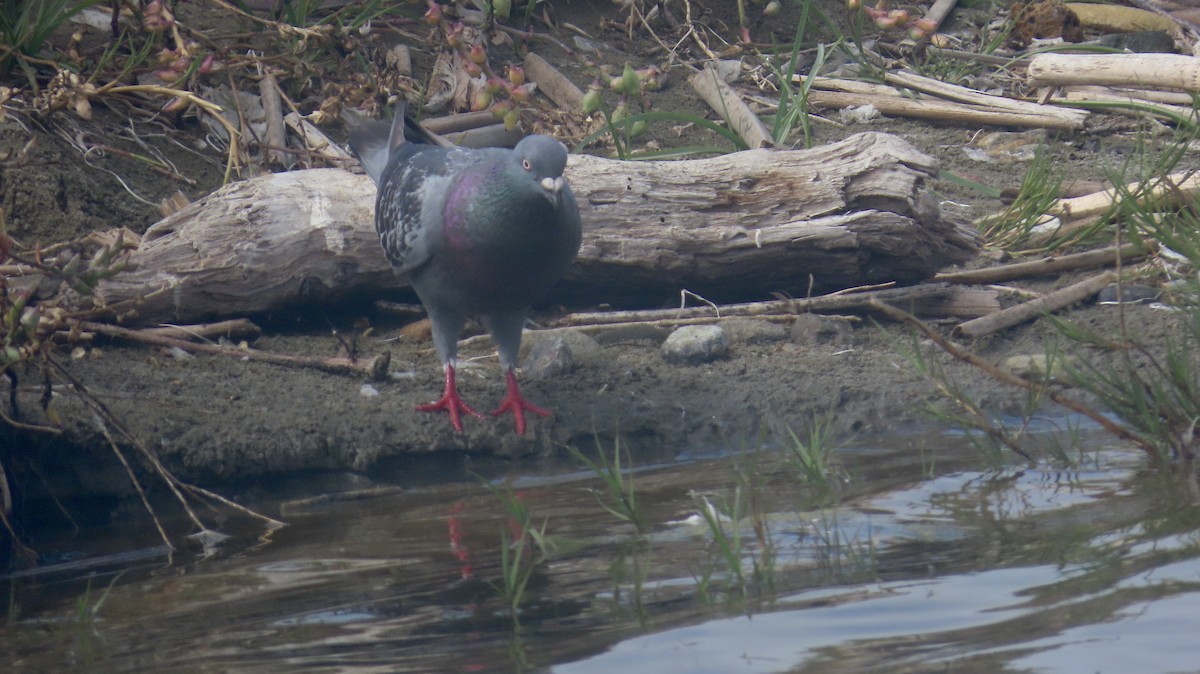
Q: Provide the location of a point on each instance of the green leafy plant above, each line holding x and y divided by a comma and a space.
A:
793, 101
844, 558
522, 548
811, 457
25, 25
620, 497
1039, 191
748, 472
623, 127
727, 543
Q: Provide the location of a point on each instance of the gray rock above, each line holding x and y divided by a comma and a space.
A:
695, 344
582, 344
548, 357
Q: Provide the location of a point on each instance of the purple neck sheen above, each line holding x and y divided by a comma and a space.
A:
456, 212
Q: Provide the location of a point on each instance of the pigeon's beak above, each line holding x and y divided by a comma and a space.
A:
554, 188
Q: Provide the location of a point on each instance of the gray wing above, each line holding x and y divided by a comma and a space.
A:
412, 197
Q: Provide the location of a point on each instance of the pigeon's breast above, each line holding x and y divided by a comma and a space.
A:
502, 254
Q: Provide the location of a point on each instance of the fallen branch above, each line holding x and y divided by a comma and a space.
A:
1048, 303
316, 142
839, 301
1170, 191
274, 137
726, 102
1049, 265
942, 110
553, 84
1172, 71
375, 367
460, 122
238, 328
959, 94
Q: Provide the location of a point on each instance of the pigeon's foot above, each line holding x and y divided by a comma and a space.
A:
451, 403
513, 402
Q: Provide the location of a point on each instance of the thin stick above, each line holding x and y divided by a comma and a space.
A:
1007, 377
1048, 303
274, 523
274, 136
231, 329
137, 485
1049, 265
832, 302
106, 417
942, 110
954, 92
375, 368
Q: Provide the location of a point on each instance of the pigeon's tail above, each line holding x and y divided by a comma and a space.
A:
373, 141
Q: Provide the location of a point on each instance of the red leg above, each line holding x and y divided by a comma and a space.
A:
450, 402
513, 402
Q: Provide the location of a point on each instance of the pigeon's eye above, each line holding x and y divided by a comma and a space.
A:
526, 165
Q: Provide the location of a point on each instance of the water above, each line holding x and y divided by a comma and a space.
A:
919, 561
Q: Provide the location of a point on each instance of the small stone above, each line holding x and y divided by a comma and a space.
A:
368, 391
814, 329
1035, 366
582, 344
418, 331
754, 331
549, 357
641, 332
695, 344
1129, 294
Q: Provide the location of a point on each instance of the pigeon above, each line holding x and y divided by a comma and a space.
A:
480, 233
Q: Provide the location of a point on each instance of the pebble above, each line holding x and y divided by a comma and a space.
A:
582, 344
1128, 293
695, 344
814, 329
1034, 367
368, 391
754, 331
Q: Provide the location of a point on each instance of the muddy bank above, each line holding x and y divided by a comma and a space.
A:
214, 420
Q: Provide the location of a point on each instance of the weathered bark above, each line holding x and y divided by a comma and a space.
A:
733, 227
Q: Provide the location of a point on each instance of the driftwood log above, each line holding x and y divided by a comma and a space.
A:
734, 227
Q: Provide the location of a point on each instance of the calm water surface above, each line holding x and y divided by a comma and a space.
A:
916, 561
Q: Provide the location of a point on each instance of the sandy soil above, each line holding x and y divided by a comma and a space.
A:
216, 419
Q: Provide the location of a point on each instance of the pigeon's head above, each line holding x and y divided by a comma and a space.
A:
539, 162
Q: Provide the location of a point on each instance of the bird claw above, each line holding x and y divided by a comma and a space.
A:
451, 403
454, 406
514, 402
